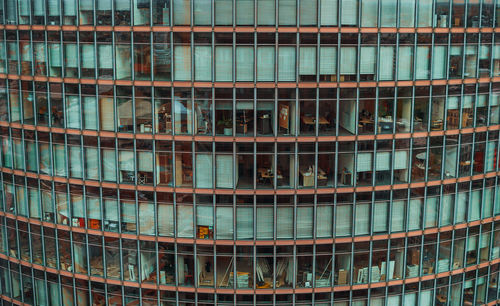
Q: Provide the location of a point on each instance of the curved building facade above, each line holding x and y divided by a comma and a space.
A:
249, 152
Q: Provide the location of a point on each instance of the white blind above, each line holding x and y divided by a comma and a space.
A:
224, 223
453, 102
482, 100
265, 64
475, 205
415, 214
287, 14
71, 56
284, 223
60, 160
111, 210
407, 13
93, 208
223, 12
265, 222
224, 171
398, 216
38, 6
244, 222
244, 63
91, 162
87, 56
424, 13
362, 219
447, 209
308, 12
383, 161
304, 222
165, 220
349, 12
490, 155
431, 213
328, 12
348, 60
369, 12
328, 60
204, 215
203, 63
73, 112
33, 198
380, 213
488, 202
472, 243
286, 64
439, 62
367, 60
182, 63
204, 171
265, 12
182, 9
90, 113
364, 162
105, 56
146, 218
422, 62
400, 160
202, 12
126, 159
55, 55
78, 207
324, 221
386, 62
405, 63
104, 4
69, 7
244, 12
388, 11
86, 5
307, 61
128, 211
145, 160
24, 8
184, 221
224, 63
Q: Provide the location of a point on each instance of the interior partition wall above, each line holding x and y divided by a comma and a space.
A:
249, 152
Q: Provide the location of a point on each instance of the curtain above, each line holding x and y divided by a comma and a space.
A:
284, 223
224, 63
328, 60
308, 12
265, 222
223, 12
244, 12
380, 214
182, 63
324, 221
398, 216
328, 12
343, 219
244, 63
304, 222
185, 221
244, 222
165, 219
307, 60
415, 214
431, 207
367, 60
286, 64
405, 63
348, 60
265, 12
204, 171
287, 14
265, 63
386, 63
224, 228
203, 63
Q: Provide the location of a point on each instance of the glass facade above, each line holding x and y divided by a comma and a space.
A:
249, 152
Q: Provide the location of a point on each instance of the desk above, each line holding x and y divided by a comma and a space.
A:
311, 121
308, 178
265, 174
